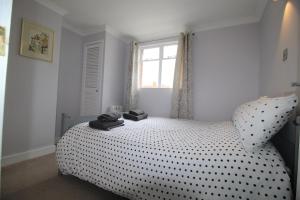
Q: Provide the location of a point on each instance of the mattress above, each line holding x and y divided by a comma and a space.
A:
161, 158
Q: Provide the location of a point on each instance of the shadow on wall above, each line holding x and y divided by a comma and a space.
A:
290, 10
297, 6
279, 31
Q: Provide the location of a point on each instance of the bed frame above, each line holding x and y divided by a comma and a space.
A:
287, 143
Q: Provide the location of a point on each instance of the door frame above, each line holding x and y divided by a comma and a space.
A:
101, 73
6, 22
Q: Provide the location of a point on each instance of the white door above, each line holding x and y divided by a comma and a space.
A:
91, 97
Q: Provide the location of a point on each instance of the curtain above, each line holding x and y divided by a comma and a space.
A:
182, 84
132, 83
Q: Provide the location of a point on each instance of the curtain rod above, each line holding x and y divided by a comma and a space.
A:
163, 39
158, 40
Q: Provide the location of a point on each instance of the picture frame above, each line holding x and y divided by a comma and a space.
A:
2, 41
36, 41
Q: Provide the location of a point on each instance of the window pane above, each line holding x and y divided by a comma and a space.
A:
151, 54
167, 73
170, 51
150, 74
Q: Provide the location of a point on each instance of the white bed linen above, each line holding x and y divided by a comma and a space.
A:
161, 158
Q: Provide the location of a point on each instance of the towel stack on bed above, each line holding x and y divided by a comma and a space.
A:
107, 121
135, 115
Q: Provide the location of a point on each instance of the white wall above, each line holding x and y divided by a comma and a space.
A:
69, 79
279, 29
31, 97
226, 68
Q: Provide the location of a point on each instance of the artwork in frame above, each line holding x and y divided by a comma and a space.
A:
36, 41
2, 41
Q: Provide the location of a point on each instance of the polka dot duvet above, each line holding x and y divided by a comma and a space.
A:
172, 159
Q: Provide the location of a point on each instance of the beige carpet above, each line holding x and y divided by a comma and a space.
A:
37, 179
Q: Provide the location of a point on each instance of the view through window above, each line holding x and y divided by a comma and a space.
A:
158, 65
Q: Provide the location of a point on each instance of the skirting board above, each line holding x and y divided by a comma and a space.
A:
19, 157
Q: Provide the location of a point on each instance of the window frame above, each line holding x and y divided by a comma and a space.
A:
161, 46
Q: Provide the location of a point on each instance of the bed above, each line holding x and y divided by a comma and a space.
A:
172, 159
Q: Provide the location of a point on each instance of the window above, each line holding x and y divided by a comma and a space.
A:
158, 65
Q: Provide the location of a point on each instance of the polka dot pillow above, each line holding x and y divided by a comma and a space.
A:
259, 120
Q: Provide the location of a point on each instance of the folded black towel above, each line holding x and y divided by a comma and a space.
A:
109, 117
105, 125
136, 112
135, 118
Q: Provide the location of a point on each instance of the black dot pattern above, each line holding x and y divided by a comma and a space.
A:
259, 120
168, 159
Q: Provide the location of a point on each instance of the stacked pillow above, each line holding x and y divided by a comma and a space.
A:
259, 120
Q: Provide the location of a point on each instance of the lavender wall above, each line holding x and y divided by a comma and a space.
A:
115, 65
156, 102
31, 91
69, 79
225, 70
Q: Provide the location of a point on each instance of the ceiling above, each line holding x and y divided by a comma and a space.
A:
151, 19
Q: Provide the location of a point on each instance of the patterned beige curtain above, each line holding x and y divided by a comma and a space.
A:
182, 85
132, 83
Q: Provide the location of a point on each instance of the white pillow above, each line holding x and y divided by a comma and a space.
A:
259, 120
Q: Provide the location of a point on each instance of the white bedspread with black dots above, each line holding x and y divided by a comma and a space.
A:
172, 159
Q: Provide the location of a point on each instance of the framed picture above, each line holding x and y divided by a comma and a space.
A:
36, 41
2, 41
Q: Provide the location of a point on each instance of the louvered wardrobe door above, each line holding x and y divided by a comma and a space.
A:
92, 79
